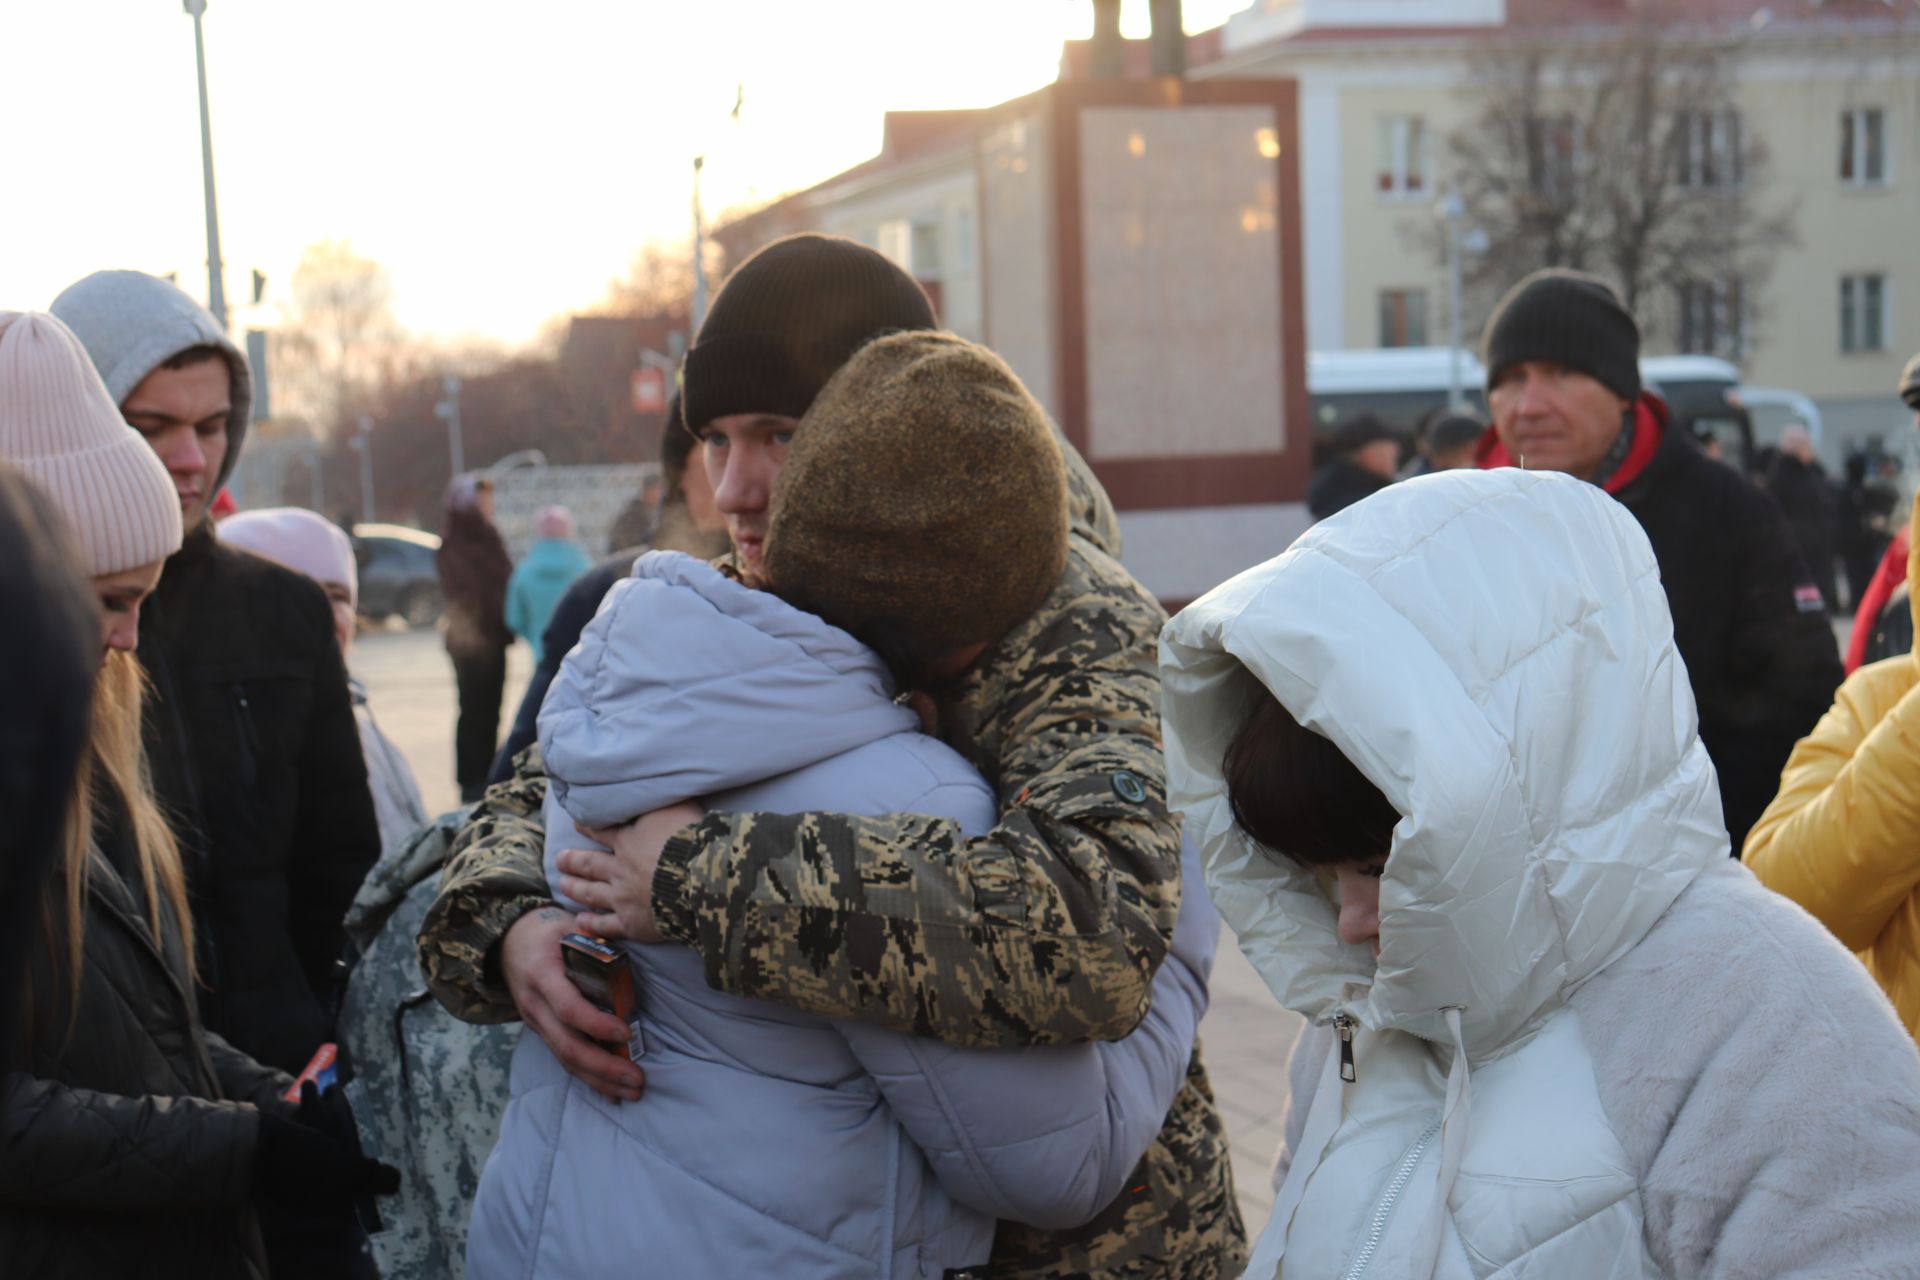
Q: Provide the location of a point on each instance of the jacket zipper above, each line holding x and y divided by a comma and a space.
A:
1383, 1212
1343, 1025
249, 742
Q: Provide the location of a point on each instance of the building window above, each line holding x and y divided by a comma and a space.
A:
895, 243
1863, 147
1553, 156
1403, 317
925, 247
1863, 313
1709, 149
1403, 156
1713, 318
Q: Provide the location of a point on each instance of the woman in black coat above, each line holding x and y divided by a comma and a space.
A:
474, 567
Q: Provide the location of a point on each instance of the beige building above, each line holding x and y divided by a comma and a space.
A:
1056, 230
1831, 91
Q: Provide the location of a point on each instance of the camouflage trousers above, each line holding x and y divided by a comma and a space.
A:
1177, 1218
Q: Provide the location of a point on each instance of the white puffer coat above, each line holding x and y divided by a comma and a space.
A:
1591, 1046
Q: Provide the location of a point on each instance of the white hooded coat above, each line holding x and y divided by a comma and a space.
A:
1666, 1070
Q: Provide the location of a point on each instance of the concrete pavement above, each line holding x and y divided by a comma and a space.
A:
1246, 1035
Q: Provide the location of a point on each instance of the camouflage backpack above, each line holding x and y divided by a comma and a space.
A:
428, 1089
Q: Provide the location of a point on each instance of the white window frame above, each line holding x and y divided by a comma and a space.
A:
1714, 139
1854, 309
1392, 130
1731, 322
1858, 116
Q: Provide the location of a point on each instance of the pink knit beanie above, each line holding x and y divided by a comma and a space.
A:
298, 539
59, 426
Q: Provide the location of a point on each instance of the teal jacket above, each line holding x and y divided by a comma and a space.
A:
538, 583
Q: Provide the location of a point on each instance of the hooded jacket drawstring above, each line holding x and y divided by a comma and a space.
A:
1455, 1118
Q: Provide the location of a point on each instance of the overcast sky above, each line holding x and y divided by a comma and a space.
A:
504, 160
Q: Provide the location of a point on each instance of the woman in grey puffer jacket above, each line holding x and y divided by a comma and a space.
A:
771, 1141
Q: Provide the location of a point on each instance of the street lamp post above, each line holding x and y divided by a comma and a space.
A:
363, 442
1454, 210
449, 409
699, 244
216, 288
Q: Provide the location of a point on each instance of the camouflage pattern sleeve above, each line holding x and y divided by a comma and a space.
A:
494, 876
1046, 930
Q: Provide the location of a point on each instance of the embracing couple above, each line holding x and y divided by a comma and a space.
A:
888, 784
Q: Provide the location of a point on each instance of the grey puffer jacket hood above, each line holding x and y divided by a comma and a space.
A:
771, 1141
131, 323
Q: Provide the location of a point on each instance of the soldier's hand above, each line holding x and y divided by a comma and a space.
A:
548, 1002
617, 888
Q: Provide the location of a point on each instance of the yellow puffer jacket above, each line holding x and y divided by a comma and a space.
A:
1842, 838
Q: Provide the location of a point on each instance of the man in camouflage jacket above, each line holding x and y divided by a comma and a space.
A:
1046, 930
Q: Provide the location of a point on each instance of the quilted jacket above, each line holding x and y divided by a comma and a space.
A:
1842, 838
126, 1145
1590, 1046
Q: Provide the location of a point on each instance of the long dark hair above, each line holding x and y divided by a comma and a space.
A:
1298, 795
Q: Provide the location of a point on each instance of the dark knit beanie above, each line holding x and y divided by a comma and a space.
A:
787, 319
1355, 434
1910, 383
923, 504
1572, 319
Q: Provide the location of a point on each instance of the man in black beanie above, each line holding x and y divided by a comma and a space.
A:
1563, 385
1046, 930
1365, 459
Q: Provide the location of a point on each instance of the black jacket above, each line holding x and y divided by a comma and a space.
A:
126, 1148
256, 760
1747, 617
1808, 500
1339, 485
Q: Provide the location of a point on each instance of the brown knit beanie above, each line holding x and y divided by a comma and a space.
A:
787, 318
923, 504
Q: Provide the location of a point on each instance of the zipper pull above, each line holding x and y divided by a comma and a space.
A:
1343, 1025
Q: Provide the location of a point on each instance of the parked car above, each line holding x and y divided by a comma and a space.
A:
397, 574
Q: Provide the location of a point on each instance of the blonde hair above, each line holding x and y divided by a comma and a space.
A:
115, 764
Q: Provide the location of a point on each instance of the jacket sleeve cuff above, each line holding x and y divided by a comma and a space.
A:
479, 993
673, 908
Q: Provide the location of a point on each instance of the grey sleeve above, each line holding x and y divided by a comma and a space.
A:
1047, 1135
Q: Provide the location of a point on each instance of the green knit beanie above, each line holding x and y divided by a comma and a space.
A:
923, 504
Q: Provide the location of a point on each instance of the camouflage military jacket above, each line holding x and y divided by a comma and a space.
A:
1046, 930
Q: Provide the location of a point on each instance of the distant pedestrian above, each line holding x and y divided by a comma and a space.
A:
1799, 484
474, 568
255, 752
310, 544
538, 582
1448, 443
688, 521
1563, 383
1867, 503
1365, 459
1444, 770
137, 1141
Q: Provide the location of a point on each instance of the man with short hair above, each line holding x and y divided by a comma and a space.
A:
1365, 459
1806, 497
251, 735
1046, 930
1563, 384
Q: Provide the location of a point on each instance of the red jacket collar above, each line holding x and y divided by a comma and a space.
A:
1650, 428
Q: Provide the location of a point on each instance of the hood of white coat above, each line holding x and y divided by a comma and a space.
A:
687, 683
1493, 650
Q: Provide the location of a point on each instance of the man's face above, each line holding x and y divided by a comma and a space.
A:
1382, 458
183, 414
743, 453
1552, 418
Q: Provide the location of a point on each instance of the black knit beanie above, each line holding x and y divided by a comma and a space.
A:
1572, 319
786, 321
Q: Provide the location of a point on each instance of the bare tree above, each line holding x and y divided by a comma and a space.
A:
338, 337
659, 281
1621, 150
